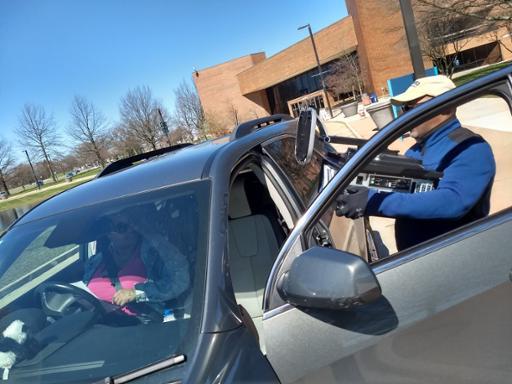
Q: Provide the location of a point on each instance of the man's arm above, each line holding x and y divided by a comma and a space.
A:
464, 181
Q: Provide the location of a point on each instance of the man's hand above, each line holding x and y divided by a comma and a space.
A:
124, 296
352, 202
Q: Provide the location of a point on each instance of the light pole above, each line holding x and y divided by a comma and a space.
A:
412, 38
32, 168
318, 65
164, 127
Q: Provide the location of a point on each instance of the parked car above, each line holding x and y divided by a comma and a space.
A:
3, 195
273, 286
69, 176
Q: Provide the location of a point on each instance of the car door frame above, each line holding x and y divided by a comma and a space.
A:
499, 83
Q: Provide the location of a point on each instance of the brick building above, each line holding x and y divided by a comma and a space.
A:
221, 95
254, 85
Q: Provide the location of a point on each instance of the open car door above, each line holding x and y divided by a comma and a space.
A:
437, 312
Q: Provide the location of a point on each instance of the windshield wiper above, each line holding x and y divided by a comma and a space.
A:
147, 370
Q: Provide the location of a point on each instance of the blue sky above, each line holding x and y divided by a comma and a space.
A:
51, 50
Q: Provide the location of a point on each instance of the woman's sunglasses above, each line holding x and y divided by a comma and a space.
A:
120, 227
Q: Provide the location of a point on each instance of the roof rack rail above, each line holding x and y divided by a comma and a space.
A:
129, 161
253, 125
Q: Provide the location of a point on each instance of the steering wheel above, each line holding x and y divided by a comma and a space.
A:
62, 299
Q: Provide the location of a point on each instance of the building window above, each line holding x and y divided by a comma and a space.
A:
474, 57
303, 84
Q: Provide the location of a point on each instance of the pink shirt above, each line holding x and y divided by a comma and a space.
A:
132, 273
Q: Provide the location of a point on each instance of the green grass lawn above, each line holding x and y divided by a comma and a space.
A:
60, 179
478, 73
37, 197
90, 172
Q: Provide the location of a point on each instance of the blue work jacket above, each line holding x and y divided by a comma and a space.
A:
461, 196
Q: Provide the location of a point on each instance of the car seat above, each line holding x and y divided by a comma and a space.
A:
253, 248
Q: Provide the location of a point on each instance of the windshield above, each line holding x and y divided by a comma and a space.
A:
104, 289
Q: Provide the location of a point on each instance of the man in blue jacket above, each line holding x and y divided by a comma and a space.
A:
463, 193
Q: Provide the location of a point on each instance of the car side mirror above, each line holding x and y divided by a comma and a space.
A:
326, 278
305, 136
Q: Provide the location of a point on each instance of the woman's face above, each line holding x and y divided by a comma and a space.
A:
122, 234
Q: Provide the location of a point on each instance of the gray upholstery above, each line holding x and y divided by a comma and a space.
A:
238, 204
252, 250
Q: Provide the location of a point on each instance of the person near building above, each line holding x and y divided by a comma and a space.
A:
463, 193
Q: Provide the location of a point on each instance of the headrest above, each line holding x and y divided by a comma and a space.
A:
238, 203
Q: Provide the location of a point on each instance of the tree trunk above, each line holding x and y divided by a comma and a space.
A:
97, 153
359, 86
4, 184
49, 164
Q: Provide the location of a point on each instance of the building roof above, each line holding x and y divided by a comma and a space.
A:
229, 62
332, 42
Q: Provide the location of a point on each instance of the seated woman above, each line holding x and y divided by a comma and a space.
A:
136, 266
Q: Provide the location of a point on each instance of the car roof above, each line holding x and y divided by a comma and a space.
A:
177, 167
180, 166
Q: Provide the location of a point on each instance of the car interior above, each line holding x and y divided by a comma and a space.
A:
256, 231
70, 315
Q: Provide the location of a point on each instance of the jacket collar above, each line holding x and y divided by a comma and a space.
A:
439, 133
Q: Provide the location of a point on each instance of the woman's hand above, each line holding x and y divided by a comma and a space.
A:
124, 296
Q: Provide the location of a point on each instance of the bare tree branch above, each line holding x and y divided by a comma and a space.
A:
124, 143
6, 163
37, 131
20, 176
139, 116
486, 10
88, 127
444, 35
489, 15
345, 76
189, 115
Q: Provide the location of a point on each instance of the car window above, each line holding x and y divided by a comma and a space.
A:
39, 256
472, 161
305, 179
109, 287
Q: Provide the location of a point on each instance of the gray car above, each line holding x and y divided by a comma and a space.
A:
241, 271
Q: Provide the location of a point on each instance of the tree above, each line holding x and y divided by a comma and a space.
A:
233, 111
124, 143
345, 76
6, 162
88, 127
85, 154
180, 135
485, 10
189, 115
41, 170
443, 36
20, 176
37, 131
216, 127
139, 116
491, 14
